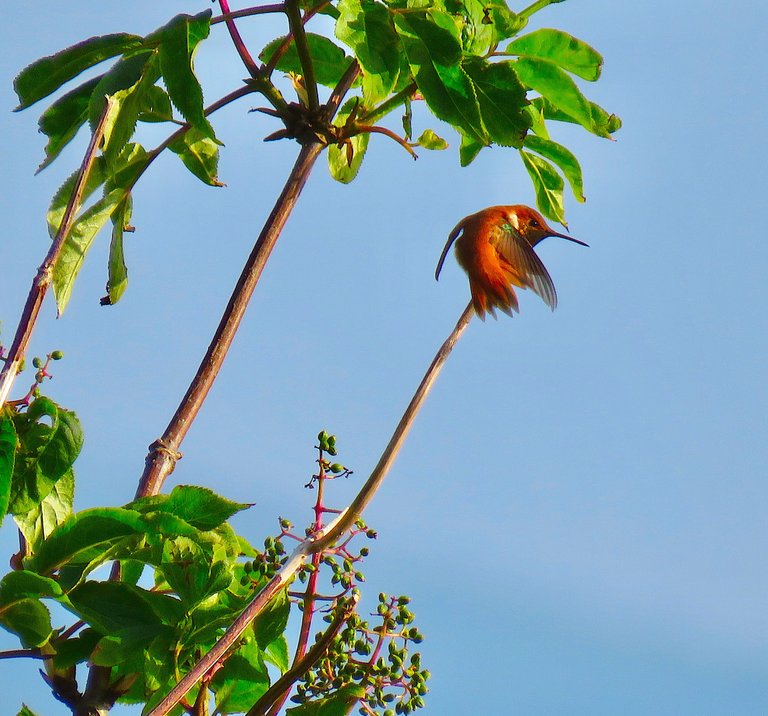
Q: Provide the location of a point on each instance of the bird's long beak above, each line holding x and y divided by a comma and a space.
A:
568, 238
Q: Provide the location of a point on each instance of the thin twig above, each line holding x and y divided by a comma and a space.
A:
363, 128
24, 654
327, 536
237, 40
163, 453
296, 24
388, 105
535, 7
283, 684
347, 518
248, 12
286, 43
44, 274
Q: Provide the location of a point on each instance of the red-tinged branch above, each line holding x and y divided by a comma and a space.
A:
44, 275
242, 50
286, 43
363, 128
248, 12
316, 543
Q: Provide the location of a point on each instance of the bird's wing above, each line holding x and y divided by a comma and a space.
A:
525, 264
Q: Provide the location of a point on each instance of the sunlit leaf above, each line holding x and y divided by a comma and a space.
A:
200, 154
563, 158
548, 185
344, 160
568, 52
329, 61
46, 75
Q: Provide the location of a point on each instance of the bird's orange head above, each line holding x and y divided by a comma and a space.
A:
530, 224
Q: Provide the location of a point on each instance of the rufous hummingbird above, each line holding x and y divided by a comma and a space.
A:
495, 248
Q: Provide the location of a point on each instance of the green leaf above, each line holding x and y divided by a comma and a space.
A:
342, 166
115, 608
200, 154
72, 651
329, 61
430, 140
61, 121
202, 507
563, 49
366, 27
57, 208
603, 124
502, 101
78, 242
241, 681
340, 703
276, 653
157, 105
127, 103
24, 584
29, 619
46, 75
25, 711
45, 452
484, 24
83, 536
117, 276
548, 185
563, 158
469, 149
271, 623
178, 41
557, 86
8, 441
41, 520
433, 51
196, 568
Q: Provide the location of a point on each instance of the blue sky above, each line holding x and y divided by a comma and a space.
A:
579, 512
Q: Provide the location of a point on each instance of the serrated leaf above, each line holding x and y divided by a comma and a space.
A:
329, 61
8, 441
178, 41
469, 149
200, 154
241, 681
557, 86
565, 50
117, 271
548, 185
72, 651
563, 158
61, 121
23, 584
83, 536
430, 140
78, 242
29, 619
276, 653
502, 100
366, 27
96, 177
157, 105
42, 519
433, 50
45, 452
484, 23
603, 124
271, 623
117, 608
342, 169
46, 75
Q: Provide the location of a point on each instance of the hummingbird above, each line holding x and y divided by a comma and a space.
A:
495, 248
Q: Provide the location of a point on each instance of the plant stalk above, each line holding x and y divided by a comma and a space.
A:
44, 274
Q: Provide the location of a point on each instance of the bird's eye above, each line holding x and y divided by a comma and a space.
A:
534, 223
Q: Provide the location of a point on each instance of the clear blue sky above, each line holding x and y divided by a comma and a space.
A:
580, 511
